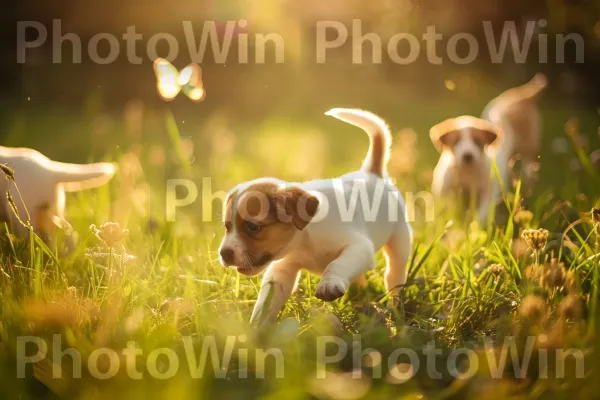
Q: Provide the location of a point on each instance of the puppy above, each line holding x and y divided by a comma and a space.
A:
510, 125
41, 185
285, 227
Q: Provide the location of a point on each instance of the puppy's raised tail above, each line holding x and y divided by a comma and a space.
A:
380, 138
532, 89
76, 177
513, 100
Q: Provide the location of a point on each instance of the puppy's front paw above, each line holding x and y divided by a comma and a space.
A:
331, 288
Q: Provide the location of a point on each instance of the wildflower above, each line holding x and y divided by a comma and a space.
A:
110, 233
536, 239
572, 127
496, 269
570, 308
554, 274
523, 217
533, 308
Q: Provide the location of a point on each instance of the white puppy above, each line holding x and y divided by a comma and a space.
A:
42, 184
511, 125
285, 227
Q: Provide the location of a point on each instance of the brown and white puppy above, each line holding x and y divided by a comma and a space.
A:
41, 185
510, 125
329, 227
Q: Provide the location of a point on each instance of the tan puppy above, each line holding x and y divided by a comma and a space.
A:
285, 227
42, 184
511, 125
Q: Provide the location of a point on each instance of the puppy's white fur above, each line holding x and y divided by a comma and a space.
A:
341, 247
510, 125
42, 184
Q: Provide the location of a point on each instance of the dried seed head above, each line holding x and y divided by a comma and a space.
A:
596, 221
571, 308
596, 215
554, 274
110, 233
496, 269
532, 272
523, 217
571, 282
9, 173
14, 209
533, 308
536, 239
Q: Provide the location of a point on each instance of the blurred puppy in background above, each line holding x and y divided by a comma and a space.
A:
41, 185
510, 126
284, 227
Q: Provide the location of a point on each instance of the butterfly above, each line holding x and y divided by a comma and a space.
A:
169, 81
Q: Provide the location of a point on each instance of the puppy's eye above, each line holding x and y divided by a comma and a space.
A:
252, 228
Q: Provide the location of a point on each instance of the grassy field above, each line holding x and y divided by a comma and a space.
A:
161, 286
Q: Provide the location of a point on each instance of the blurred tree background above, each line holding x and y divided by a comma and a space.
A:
299, 88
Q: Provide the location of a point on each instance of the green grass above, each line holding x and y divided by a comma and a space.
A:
165, 284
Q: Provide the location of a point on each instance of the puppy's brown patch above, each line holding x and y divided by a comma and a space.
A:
278, 212
447, 133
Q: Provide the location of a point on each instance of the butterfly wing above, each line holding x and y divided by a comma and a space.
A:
190, 79
167, 79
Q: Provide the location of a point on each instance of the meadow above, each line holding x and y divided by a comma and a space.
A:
159, 283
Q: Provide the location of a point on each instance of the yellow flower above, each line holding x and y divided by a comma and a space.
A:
110, 233
536, 239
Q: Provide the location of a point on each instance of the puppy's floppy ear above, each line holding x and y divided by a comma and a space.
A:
485, 133
300, 205
229, 197
445, 134
227, 214
485, 137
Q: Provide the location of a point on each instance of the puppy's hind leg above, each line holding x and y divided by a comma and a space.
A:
397, 252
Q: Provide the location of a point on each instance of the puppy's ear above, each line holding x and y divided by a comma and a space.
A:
485, 137
484, 133
300, 205
445, 134
230, 197
227, 212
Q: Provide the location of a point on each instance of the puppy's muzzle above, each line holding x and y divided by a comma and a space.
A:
227, 256
468, 158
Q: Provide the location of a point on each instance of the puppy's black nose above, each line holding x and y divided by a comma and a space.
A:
468, 158
226, 255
